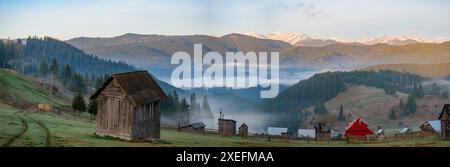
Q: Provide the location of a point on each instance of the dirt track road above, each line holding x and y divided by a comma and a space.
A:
25, 127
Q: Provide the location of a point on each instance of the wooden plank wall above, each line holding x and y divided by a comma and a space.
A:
114, 116
146, 124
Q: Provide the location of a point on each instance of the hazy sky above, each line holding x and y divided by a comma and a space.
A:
345, 19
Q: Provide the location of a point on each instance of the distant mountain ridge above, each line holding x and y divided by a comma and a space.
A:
301, 39
156, 50
153, 52
438, 71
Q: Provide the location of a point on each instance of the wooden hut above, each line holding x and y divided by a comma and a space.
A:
243, 131
227, 127
433, 126
128, 106
322, 131
444, 117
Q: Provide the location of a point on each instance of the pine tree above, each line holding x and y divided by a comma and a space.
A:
66, 74
341, 116
78, 103
206, 108
392, 115
184, 107
411, 104
421, 93
401, 106
168, 105
92, 108
319, 108
175, 96
43, 69
193, 103
54, 67
435, 89
444, 94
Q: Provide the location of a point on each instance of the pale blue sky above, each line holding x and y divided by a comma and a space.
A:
346, 19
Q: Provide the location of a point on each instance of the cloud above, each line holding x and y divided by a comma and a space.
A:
307, 9
311, 11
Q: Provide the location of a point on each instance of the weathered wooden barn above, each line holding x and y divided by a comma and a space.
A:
128, 106
227, 127
243, 131
444, 117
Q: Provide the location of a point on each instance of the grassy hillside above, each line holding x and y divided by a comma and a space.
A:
15, 89
21, 128
374, 106
428, 70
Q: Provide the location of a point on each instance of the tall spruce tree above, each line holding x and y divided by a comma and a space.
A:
392, 115
206, 108
92, 108
319, 108
444, 94
78, 103
341, 116
43, 69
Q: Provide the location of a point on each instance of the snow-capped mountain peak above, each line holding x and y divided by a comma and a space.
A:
300, 39
291, 38
394, 40
256, 35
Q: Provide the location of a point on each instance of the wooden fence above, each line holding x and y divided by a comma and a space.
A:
250, 134
409, 136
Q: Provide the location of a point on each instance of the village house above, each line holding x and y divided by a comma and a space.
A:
323, 132
243, 131
306, 133
128, 106
433, 126
227, 127
358, 128
198, 126
444, 117
276, 131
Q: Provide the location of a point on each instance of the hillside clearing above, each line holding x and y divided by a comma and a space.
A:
373, 105
17, 90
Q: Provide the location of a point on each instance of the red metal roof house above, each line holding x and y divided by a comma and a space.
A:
358, 128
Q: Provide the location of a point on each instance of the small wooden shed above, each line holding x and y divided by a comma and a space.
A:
444, 117
128, 106
243, 131
432, 126
227, 127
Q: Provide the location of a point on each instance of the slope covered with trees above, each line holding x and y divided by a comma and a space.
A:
292, 102
53, 60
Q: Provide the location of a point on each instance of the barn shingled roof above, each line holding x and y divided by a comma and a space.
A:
435, 124
139, 86
445, 109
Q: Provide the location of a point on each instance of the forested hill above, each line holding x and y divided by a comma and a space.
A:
46, 56
324, 86
288, 109
27, 54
